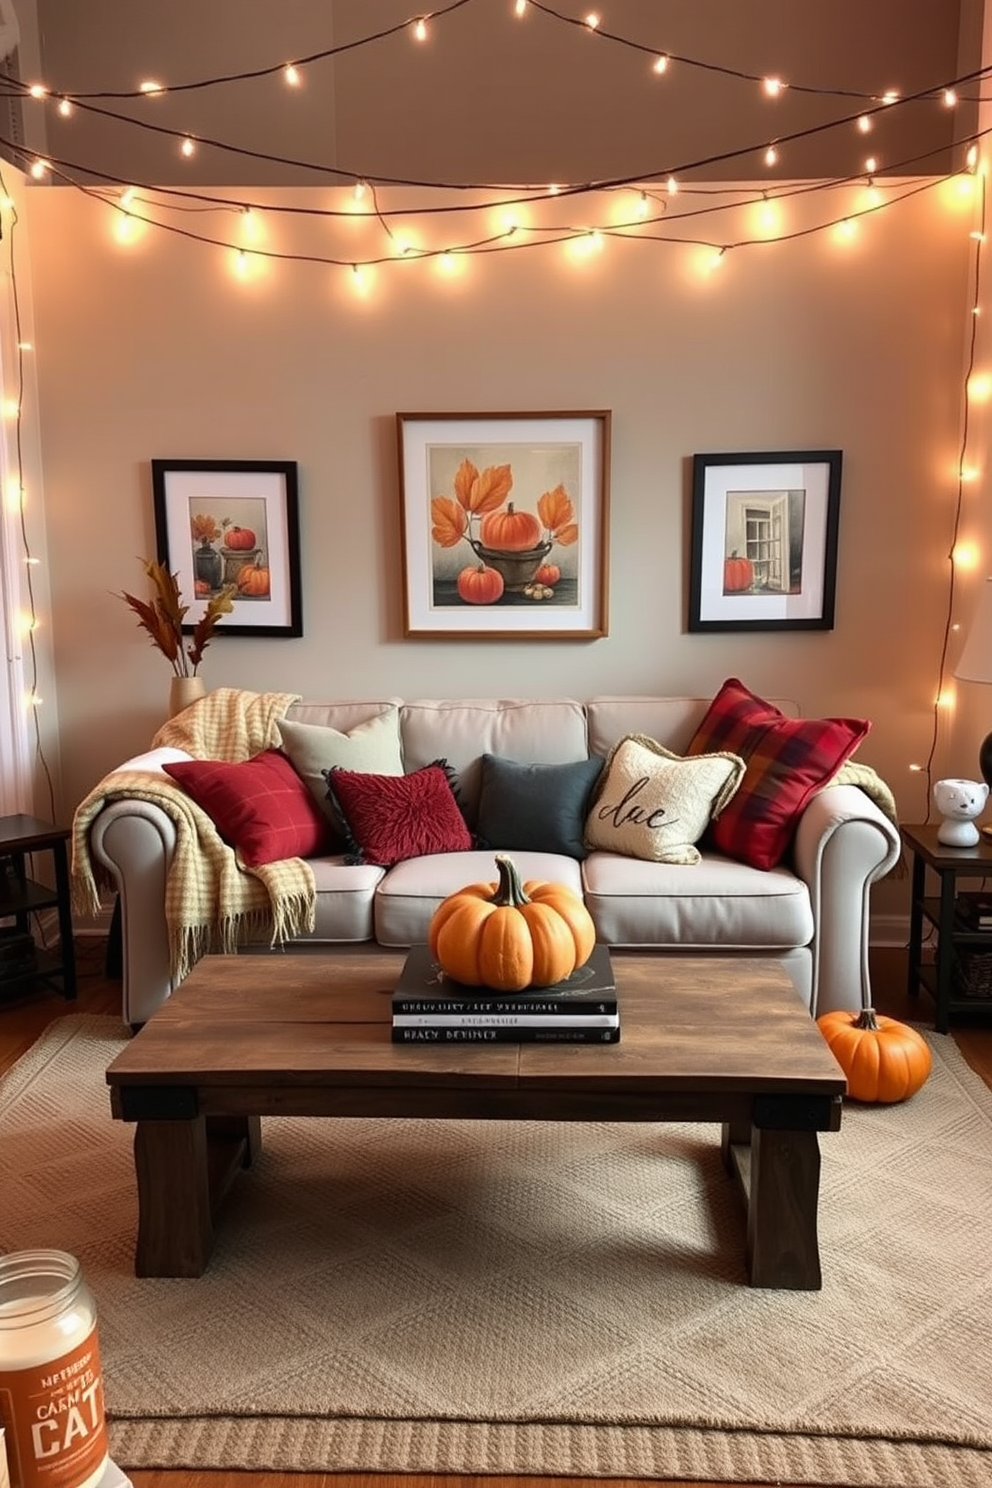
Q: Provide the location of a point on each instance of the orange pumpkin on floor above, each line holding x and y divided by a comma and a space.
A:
509, 935
884, 1060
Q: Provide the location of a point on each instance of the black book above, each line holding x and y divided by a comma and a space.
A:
424, 988
974, 910
568, 1033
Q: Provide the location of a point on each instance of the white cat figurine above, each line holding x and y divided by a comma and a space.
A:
959, 802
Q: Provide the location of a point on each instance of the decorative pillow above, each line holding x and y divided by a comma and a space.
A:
656, 805
313, 749
260, 806
788, 761
541, 808
391, 817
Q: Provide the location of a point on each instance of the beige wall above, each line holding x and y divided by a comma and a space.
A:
156, 350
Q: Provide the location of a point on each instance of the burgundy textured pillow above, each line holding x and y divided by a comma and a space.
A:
260, 806
788, 761
391, 817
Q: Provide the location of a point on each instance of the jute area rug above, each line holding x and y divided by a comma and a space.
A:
483, 1297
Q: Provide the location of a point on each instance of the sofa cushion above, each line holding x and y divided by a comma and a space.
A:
373, 746
541, 808
653, 804
722, 905
788, 760
259, 805
391, 817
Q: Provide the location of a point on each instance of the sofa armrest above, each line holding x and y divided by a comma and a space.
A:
843, 845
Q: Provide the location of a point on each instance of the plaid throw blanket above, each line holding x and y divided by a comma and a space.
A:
212, 900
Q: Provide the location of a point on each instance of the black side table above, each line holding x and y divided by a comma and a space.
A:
20, 897
949, 864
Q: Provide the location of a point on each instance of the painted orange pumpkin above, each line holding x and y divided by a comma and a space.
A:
509, 935
253, 579
738, 573
201, 588
480, 585
510, 531
239, 537
884, 1060
548, 573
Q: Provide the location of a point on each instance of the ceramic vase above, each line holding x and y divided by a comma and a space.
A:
183, 691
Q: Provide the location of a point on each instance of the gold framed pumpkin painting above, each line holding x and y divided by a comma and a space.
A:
233, 524
504, 520
764, 540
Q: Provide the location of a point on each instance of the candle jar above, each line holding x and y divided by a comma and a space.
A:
51, 1383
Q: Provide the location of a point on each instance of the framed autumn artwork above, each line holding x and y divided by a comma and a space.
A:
764, 541
233, 522
505, 524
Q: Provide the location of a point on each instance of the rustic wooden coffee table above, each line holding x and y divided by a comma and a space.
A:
702, 1039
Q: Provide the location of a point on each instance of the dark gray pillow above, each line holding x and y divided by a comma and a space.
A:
536, 808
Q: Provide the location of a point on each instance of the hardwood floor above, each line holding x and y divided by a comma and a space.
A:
23, 1022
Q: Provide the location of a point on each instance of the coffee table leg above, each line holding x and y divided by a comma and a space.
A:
782, 1249
175, 1230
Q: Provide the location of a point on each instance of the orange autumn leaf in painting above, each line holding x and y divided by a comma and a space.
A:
558, 515
483, 491
449, 521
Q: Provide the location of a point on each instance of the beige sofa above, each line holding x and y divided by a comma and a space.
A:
811, 912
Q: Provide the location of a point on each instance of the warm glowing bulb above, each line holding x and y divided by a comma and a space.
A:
37, 91
980, 386
553, 188
291, 75
950, 98
359, 279
520, 7
660, 65
968, 473
965, 555
890, 97
35, 700
916, 768
871, 165
971, 159
643, 204
10, 408
65, 107
772, 86
864, 124
672, 186
187, 147
420, 30
126, 197
846, 230
945, 699
447, 262
150, 86
25, 346
592, 20
977, 234
771, 155
360, 190
39, 169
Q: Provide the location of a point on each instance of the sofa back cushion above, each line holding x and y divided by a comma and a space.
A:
313, 748
671, 721
462, 730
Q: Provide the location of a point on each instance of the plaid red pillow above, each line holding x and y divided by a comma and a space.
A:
259, 806
788, 761
391, 817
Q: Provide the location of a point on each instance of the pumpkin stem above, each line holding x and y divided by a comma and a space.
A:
509, 890
866, 1019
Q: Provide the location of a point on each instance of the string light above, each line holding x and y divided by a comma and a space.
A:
950, 98
864, 124
520, 7
291, 75
773, 86
592, 20
771, 155
150, 87
660, 65
65, 108
420, 30
39, 169
187, 147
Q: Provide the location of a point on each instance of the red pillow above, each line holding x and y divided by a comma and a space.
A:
788, 760
391, 817
260, 806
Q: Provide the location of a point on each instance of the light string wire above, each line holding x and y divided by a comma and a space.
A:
666, 170
979, 238
28, 559
597, 32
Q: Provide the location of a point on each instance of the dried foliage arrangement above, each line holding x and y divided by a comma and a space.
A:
163, 618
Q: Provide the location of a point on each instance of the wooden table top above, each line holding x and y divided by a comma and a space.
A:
727, 1024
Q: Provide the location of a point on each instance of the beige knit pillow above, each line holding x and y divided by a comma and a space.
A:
653, 804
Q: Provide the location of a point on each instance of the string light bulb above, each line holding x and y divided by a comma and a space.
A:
890, 97
660, 65
40, 168
187, 147
150, 87
771, 155
520, 7
971, 159
37, 91
291, 75
420, 30
672, 186
65, 108
773, 86
592, 20
950, 98
864, 124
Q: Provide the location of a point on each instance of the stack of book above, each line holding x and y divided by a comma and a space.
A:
430, 1008
974, 911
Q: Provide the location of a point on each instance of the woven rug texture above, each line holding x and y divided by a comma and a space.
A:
519, 1297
